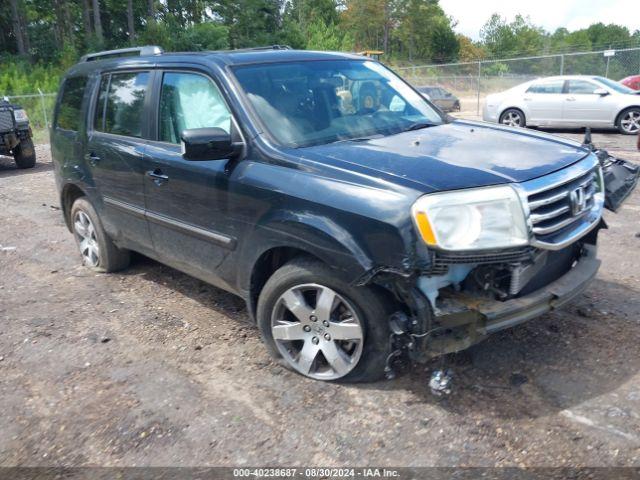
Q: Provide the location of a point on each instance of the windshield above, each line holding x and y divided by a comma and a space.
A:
618, 87
313, 103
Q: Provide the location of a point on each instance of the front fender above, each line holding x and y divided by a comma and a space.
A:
316, 235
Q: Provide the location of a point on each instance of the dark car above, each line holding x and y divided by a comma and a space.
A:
447, 101
356, 232
15, 134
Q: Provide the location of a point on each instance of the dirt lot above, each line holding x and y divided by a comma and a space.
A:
152, 367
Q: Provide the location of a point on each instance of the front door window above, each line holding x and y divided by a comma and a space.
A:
187, 101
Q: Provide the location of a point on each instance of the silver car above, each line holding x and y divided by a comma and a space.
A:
570, 101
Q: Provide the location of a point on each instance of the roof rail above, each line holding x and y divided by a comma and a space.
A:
268, 47
123, 52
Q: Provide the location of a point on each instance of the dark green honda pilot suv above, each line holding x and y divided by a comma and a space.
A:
358, 222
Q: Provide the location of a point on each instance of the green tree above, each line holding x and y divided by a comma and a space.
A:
518, 38
328, 37
426, 32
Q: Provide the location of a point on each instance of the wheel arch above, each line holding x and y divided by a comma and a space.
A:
69, 194
266, 265
520, 109
619, 114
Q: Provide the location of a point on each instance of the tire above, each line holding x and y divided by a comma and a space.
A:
98, 251
628, 122
25, 154
513, 117
362, 307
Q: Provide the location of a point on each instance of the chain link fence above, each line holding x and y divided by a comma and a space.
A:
471, 82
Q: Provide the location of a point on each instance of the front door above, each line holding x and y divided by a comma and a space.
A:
114, 153
187, 200
584, 108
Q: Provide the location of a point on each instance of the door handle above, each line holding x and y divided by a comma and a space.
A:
92, 158
527, 99
571, 99
158, 177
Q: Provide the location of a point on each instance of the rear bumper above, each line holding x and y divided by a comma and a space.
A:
490, 113
466, 320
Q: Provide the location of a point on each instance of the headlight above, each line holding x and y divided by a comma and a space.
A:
20, 116
474, 219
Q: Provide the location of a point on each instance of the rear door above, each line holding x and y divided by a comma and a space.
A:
544, 101
187, 204
68, 125
584, 108
114, 153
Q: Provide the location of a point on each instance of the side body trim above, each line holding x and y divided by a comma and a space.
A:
199, 232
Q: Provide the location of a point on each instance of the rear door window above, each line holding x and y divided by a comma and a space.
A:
98, 120
69, 115
552, 86
124, 105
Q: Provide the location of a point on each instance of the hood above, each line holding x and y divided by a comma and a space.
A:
452, 156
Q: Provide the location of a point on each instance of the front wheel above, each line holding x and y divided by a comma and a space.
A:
322, 327
629, 121
512, 117
25, 154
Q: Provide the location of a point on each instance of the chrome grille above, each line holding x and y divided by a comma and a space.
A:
6, 120
558, 207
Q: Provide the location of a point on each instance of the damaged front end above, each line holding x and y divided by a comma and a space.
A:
463, 296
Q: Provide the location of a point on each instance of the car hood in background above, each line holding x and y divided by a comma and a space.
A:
456, 155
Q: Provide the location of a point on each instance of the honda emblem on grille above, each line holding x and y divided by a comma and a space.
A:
578, 200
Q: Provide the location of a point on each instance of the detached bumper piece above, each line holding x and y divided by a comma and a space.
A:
465, 320
620, 178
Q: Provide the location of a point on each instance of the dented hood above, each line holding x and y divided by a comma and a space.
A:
456, 155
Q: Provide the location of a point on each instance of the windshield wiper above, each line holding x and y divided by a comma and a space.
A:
355, 139
419, 126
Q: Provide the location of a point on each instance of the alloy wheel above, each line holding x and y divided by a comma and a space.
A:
631, 121
512, 119
317, 331
87, 240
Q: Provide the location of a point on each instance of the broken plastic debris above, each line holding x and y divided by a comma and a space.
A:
440, 382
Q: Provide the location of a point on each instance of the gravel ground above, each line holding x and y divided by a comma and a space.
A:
152, 367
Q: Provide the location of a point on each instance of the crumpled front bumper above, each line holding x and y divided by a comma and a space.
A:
465, 320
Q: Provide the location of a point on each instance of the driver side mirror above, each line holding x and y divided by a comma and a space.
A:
208, 144
601, 91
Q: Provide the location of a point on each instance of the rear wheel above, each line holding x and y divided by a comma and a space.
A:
629, 121
25, 154
98, 251
322, 327
513, 117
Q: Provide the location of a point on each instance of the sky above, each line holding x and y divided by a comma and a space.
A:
550, 14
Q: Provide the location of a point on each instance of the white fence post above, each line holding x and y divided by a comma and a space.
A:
479, 73
44, 109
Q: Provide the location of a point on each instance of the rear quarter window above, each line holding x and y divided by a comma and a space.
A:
69, 114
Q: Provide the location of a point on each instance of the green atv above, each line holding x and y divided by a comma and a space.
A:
15, 135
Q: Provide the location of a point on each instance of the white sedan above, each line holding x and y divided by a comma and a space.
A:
570, 101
